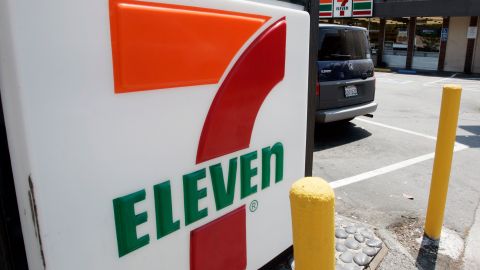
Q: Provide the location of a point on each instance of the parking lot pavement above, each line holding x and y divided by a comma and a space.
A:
381, 167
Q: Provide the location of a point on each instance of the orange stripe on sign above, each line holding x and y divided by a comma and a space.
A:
326, 2
162, 46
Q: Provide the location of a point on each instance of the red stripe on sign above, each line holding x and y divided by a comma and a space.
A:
231, 117
220, 244
362, 12
325, 14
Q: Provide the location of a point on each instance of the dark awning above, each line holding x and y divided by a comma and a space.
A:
410, 8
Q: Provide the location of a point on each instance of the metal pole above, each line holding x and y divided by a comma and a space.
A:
313, 222
447, 130
312, 7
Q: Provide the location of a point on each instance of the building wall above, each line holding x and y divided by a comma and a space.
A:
456, 44
476, 54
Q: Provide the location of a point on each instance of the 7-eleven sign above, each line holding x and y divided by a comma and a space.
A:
157, 134
342, 8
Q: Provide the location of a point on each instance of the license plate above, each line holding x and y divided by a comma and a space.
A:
351, 91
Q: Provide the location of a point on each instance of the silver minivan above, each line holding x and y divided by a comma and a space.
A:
345, 74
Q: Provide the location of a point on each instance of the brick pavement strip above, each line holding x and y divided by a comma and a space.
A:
356, 245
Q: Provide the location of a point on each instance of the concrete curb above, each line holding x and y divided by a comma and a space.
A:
398, 257
472, 244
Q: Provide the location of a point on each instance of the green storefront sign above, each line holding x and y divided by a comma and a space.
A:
345, 8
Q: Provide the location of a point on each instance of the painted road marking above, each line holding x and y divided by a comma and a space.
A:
390, 168
396, 166
468, 84
385, 79
440, 80
403, 130
397, 129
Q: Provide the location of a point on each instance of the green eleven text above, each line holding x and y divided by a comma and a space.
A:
223, 183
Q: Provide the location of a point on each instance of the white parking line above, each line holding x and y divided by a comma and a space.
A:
397, 129
403, 130
468, 84
390, 168
440, 80
394, 81
395, 166
473, 90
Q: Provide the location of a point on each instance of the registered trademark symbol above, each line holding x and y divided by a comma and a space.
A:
253, 206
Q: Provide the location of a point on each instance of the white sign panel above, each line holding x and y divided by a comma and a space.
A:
472, 32
154, 135
342, 8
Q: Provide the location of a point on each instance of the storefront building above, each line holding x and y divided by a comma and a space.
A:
445, 32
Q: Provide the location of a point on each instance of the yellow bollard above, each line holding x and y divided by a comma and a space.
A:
313, 212
442, 164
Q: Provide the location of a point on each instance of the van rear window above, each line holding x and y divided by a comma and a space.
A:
342, 44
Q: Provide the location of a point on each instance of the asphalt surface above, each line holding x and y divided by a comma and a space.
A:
385, 163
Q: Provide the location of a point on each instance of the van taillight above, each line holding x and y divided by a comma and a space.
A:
317, 89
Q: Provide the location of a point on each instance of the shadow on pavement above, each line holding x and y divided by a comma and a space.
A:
472, 141
338, 133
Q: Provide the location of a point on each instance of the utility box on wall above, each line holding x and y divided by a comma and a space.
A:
154, 135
